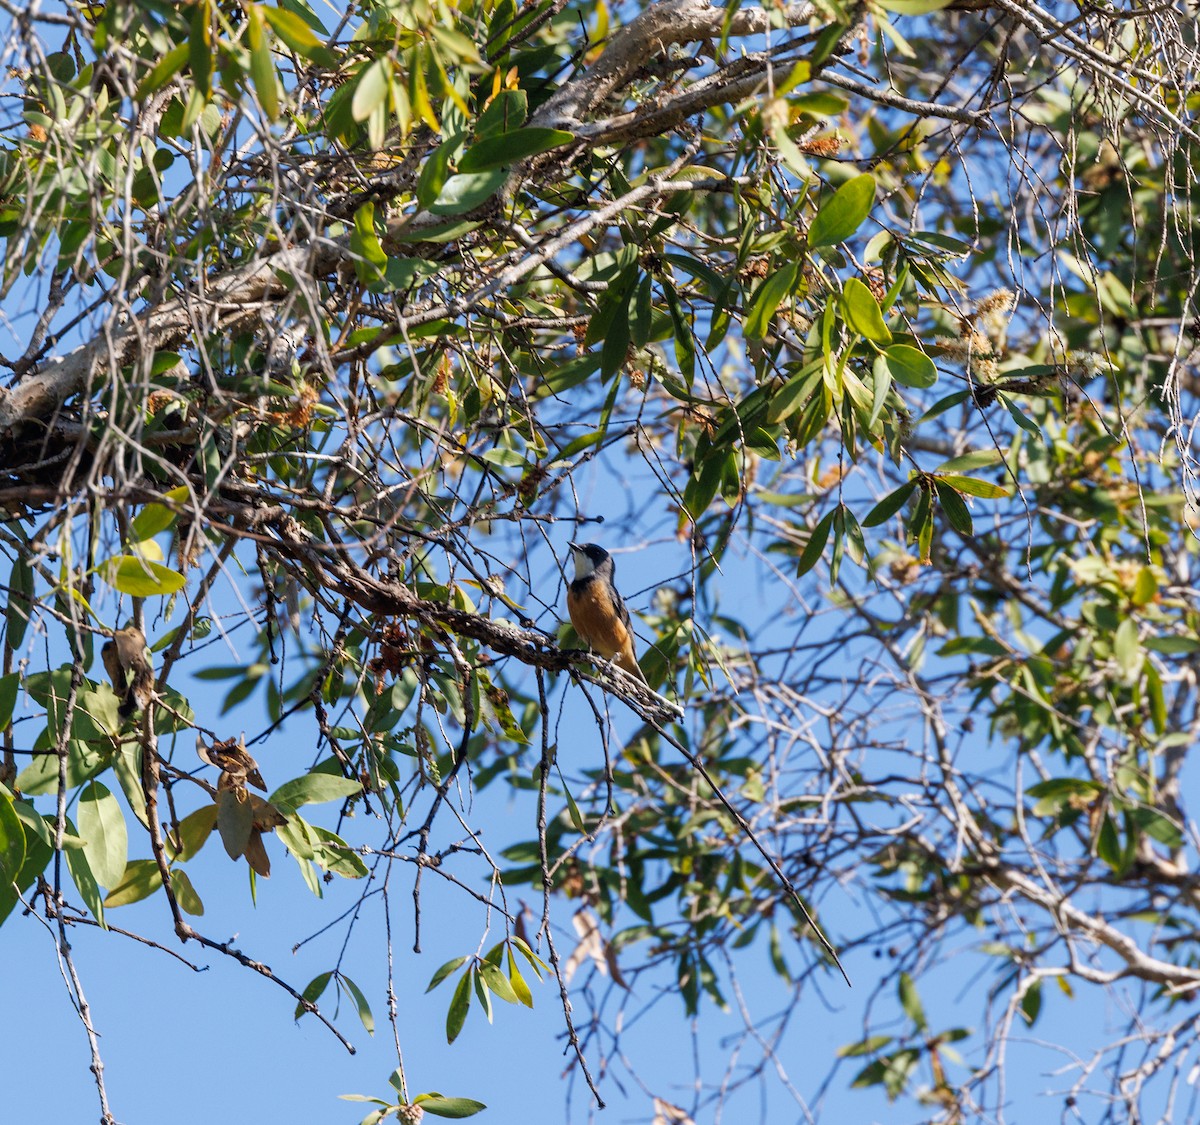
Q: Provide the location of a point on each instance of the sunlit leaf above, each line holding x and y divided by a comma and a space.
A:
448, 1107
102, 825
909, 366
843, 213
141, 578
313, 788
141, 879
862, 314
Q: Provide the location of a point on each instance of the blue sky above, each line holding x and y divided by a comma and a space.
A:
222, 1042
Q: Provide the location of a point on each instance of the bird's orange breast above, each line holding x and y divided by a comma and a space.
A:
596, 619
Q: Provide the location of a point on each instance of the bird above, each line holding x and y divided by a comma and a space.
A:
126, 664
597, 611
234, 761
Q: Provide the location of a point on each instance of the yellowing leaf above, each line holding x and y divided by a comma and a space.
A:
262, 66
141, 578
372, 89
141, 879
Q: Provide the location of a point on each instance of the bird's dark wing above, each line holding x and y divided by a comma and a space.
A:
112, 665
619, 605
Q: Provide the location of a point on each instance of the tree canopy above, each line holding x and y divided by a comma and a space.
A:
861, 334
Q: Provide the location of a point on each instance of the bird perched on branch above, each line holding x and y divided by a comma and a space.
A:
128, 667
597, 611
234, 761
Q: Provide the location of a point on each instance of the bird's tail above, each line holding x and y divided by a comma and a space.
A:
138, 693
626, 661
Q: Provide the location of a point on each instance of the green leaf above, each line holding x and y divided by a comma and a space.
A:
154, 518
505, 113
910, 1001
459, 1006
8, 697
958, 515
1158, 827
866, 1046
977, 459
815, 546
372, 89
81, 872
185, 893
448, 1107
842, 214
1145, 587
914, 7
985, 646
536, 963
503, 149
1108, 845
820, 104
982, 488
141, 578
1052, 795
881, 385
767, 298
942, 405
167, 67
360, 1003
127, 765
685, 342
404, 273
889, 505
495, 979
434, 173
444, 972
795, 392
142, 878
909, 366
334, 854
1155, 696
12, 842
1031, 1002
84, 760
20, 601
1020, 417
505, 458
296, 34
193, 833
313, 991
1126, 648
861, 312
262, 66
234, 820
464, 191
481, 993
312, 789
700, 490
574, 813
1173, 646
579, 444
38, 853
519, 987
369, 258
102, 825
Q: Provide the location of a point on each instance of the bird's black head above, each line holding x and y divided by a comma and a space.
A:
589, 559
